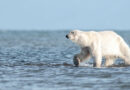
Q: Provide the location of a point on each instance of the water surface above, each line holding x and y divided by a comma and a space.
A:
42, 60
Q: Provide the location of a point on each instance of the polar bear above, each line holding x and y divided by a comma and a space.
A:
102, 44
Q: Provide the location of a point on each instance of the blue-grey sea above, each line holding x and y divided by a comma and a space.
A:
42, 60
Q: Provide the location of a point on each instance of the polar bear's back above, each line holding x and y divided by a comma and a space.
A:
108, 33
110, 43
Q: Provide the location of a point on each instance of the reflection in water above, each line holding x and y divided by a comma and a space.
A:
43, 60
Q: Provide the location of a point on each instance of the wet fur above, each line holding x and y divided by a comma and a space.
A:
105, 44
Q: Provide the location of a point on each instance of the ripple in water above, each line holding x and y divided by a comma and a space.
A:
40, 60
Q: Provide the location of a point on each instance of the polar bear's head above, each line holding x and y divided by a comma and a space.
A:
73, 35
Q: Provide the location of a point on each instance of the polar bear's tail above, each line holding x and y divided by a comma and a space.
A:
125, 51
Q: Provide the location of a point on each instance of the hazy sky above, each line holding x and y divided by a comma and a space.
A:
64, 14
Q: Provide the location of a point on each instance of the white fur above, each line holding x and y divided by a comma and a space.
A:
105, 44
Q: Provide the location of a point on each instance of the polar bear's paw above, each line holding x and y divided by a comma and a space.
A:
76, 61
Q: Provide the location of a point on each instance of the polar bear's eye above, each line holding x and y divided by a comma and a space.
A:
72, 32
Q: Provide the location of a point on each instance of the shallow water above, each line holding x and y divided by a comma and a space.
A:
42, 60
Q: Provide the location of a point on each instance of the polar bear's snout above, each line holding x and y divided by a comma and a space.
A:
71, 35
68, 36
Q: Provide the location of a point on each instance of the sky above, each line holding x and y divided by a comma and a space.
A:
64, 14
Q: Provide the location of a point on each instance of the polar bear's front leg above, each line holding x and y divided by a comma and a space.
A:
78, 58
97, 61
97, 54
83, 55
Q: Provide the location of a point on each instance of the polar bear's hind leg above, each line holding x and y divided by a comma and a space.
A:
126, 59
109, 62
